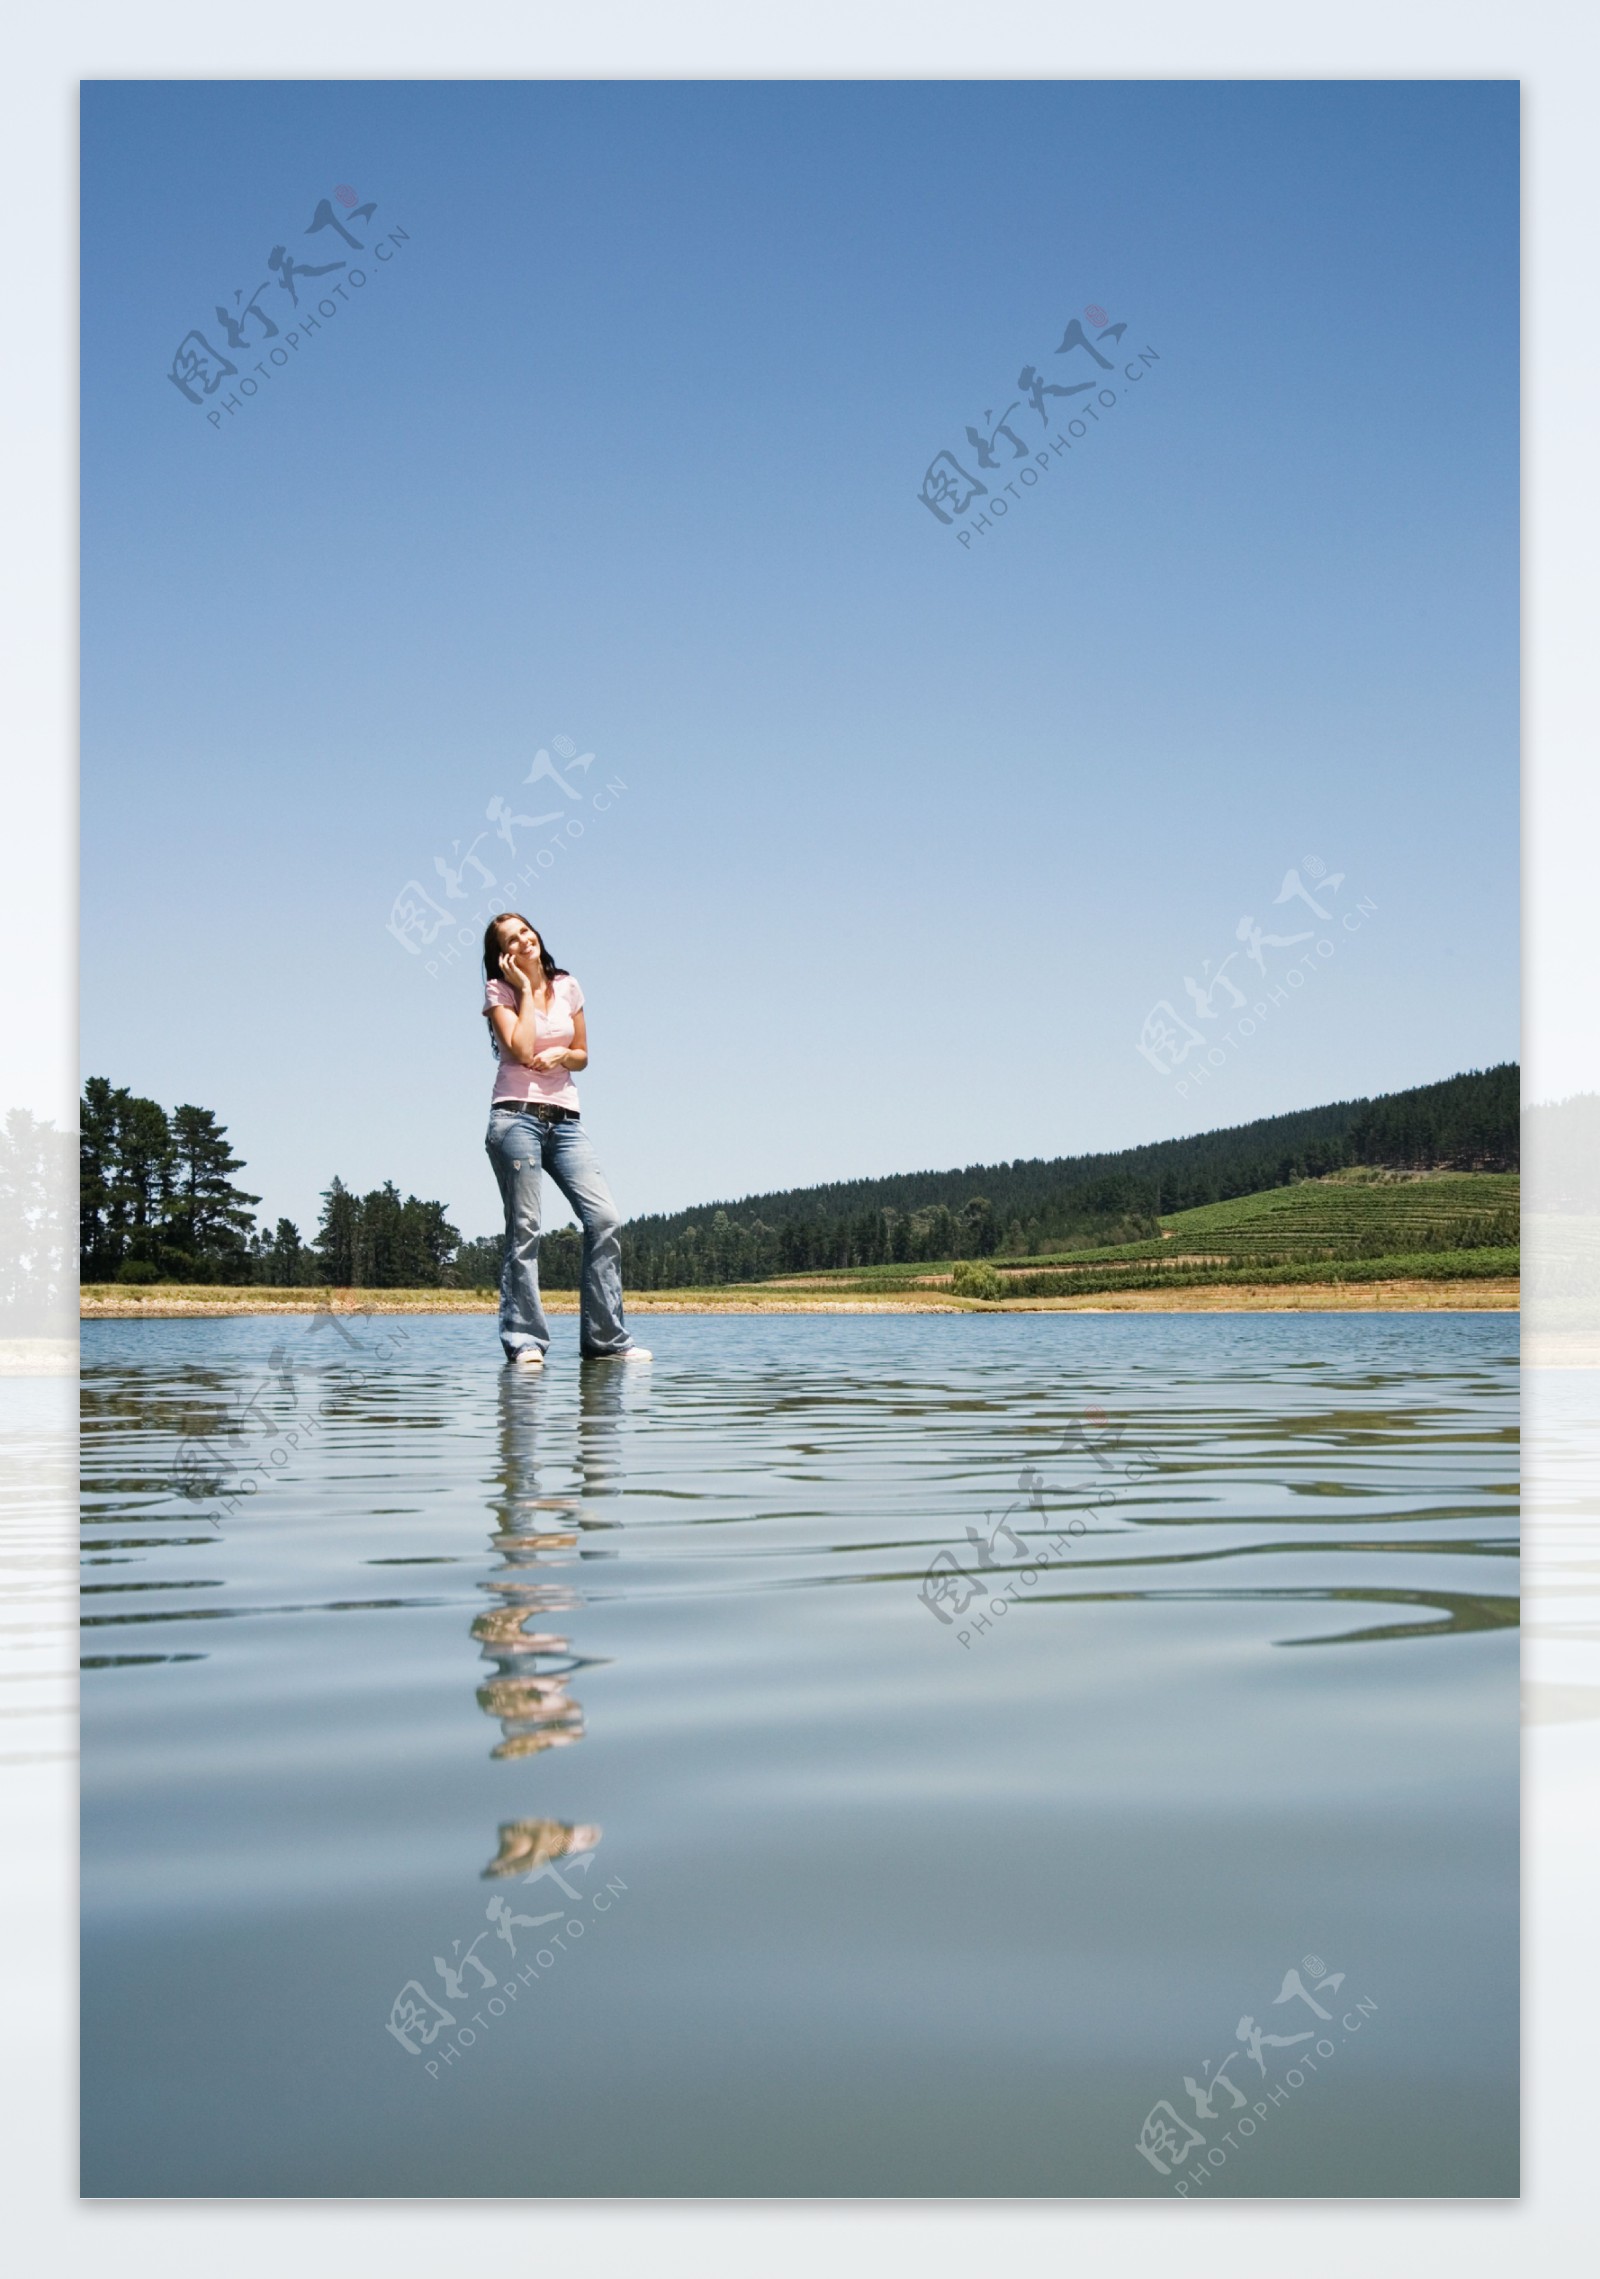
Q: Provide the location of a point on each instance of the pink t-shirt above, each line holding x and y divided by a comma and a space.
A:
552, 1027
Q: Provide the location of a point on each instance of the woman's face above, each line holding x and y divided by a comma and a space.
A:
521, 945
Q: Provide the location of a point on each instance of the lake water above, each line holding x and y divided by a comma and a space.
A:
574, 1784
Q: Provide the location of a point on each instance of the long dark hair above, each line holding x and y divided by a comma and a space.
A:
493, 950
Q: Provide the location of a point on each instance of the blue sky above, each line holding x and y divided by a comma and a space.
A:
622, 444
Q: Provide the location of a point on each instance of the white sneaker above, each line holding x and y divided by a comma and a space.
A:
529, 1358
628, 1353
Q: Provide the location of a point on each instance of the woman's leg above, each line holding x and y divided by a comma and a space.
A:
575, 1168
514, 1149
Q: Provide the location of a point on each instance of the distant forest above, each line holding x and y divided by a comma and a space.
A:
159, 1200
1016, 1210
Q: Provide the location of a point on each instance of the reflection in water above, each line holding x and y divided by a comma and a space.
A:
1176, 1786
535, 1536
528, 1844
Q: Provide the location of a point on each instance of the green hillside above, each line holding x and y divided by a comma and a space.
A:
1351, 1214
1089, 1206
1356, 1225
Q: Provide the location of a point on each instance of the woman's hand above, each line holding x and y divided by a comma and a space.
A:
553, 1056
513, 974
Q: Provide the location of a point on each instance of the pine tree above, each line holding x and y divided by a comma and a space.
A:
285, 1260
210, 1219
377, 1233
142, 1176
426, 1245
338, 1234
101, 1238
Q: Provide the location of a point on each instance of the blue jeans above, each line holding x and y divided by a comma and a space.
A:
522, 1147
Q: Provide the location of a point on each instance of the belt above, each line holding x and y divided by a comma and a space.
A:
545, 1110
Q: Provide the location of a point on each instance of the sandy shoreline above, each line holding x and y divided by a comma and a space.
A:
1319, 1297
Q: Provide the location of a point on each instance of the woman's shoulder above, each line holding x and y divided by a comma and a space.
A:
567, 984
498, 993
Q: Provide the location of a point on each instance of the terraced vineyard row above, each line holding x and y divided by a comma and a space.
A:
1328, 1219
1339, 1216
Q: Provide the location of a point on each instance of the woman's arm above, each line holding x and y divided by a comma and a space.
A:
573, 1056
515, 1028
504, 1020
514, 1025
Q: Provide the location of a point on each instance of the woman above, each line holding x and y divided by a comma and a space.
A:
535, 1012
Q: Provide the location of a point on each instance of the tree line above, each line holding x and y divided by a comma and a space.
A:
691, 1251
159, 1200
156, 1194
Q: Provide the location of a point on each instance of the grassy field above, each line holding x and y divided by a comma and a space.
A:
1403, 1293
158, 1301
201, 1301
